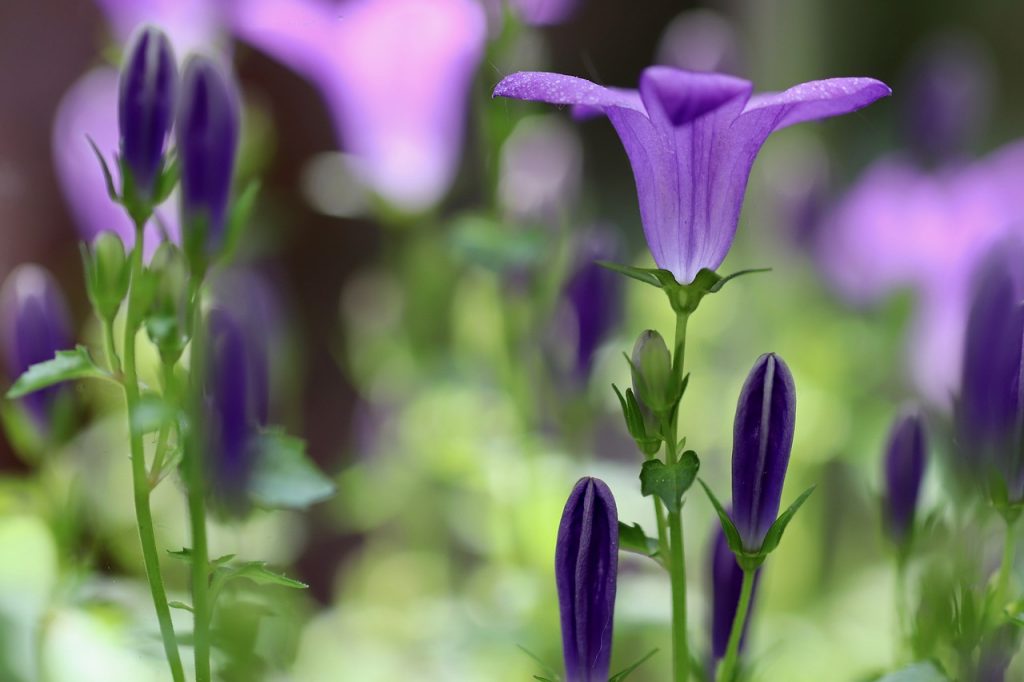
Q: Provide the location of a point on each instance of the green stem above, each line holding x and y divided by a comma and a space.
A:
728, 670
1006, 568
140, 480
196, 484
108, 345
902, 616
676, 558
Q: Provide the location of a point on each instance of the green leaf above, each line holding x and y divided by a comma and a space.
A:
107, 177
922, 671
181, 605
239, 218
633, 539
65, 366
284, 477
257, 572
717, 286
548, 670
774, 535
669, 481
656, 277
185, 554
732, 536
625, 672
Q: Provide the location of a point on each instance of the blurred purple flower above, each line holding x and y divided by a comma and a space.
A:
990, 407
35, 325
207, 130
544, 12
90, 108
762, 439
904, 465
948, 95
594, 297
193, 25
692, 139
395, 75
146, 97
700, 40
235, 408
726, 585
900, 227
541, 168
586, 568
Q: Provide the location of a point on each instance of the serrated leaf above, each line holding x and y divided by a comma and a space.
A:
108, 179
625, 672
669, 481
774, 534
181, 605
633, 539
656, 277
257, 572
732, 536
66, 365
284, 477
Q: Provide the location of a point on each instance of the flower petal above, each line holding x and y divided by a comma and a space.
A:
556, 88
770, 111
676, 97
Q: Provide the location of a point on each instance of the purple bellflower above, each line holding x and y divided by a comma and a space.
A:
692, 139
726, 585
762, 439
395, 75
146, 93
207, 129
35, 325
192, 25
990, 408
235, 408
904, 464
90, 107
586, 567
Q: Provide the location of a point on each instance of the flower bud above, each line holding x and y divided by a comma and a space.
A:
726, 585
34, 325
107, 274
232, 416
652, 371
593, 295
207, 136
762, 439
586, 566
146, 94
905, 459
166, 320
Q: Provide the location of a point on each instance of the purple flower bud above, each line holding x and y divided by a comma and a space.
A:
990, 406
905, 459
726, 585
35, 325
235, 403
207, 135
146, 93
762, 439
593, 294
586, 564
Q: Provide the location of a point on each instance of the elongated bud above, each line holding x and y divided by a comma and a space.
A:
586, 568
652, 371
34, 325
232, 411
762, 439
726, 585
207, 136
107, 274
905, 459
146, 98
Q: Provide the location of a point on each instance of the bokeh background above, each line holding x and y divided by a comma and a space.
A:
449, 359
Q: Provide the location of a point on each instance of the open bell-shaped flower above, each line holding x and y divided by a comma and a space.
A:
586, 568
692, 139
762, 440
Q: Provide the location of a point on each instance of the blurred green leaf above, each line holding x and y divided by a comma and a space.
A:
65, 366
284, 477
732, 536
257, 572
633, 539
774, 534
625, 672
656, 277
548, 670
108, 179
924, 671
486, 242
152, 412
181, 605
669, 481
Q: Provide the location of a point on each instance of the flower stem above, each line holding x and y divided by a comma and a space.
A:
1006, 568
728, 670
113, 362
140, 479
196, 484
677, 551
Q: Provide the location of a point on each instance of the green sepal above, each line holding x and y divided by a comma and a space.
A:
547, 669
66, 365
1000, 498
669, 481
649, 444
656, 277
167, 179
241, 211
181, 605
774, 534
732, 536
625, 672
108, 178
634, 540
284, 477
107, 274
